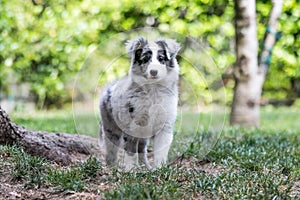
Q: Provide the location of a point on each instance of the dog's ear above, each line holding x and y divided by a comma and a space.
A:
134, 47
171, 45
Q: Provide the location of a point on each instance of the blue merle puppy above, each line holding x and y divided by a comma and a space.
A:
142, 105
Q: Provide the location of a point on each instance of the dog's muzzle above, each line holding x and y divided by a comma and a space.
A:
153, 73
156, 71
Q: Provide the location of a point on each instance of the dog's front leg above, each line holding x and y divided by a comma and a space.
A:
130, 160
142, 151
111, 151
131, 147
161, 146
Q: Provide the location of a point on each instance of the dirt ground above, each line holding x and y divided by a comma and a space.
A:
11, 189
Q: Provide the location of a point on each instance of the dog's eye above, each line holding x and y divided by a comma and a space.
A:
138, 53
145, 59
161, 58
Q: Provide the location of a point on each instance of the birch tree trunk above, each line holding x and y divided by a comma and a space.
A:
249, 76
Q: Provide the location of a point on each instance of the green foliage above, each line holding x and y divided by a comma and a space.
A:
45, 43
285, 60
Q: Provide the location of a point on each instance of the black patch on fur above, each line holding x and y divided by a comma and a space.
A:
162, 56
114, 138
130, 145
136, 47
166, 61
142, 57
108, 107
137, 56
108, 130
108, 96
141, 146
131, 109
146, 57
162, 44
170, 63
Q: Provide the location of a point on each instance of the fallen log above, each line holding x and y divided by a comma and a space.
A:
62, 148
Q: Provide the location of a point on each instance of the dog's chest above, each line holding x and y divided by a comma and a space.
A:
143, 98
144, 109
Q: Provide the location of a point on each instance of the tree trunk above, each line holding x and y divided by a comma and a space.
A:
248, 81
249, 77
62, 148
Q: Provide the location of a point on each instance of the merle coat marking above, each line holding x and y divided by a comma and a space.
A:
142, 105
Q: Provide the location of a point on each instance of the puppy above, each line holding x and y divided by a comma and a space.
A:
142, 105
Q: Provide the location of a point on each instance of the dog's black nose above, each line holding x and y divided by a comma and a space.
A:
153, 72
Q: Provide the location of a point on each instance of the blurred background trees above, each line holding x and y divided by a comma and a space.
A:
44, 43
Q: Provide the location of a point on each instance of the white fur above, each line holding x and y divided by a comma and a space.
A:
141, 106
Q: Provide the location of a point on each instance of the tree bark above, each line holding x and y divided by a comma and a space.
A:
61, 148
249, 77
248, 81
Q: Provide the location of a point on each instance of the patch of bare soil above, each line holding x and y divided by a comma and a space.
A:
191, 163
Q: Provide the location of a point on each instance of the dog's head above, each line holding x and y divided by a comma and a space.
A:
152, 61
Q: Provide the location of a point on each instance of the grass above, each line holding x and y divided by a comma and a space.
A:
252, 165
259, 163
36, 171
272, 119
